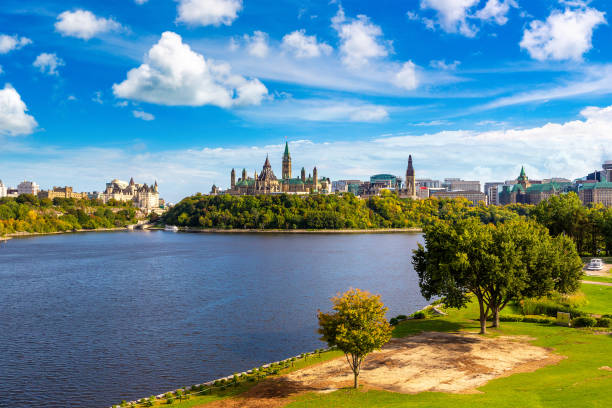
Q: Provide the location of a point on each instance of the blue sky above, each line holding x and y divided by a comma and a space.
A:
181, 91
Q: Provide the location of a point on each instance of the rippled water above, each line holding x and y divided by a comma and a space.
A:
87, 320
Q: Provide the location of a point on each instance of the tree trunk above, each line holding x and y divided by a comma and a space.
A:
355, 384
483, 317
496, 316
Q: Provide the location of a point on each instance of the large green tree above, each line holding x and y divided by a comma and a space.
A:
495, 264
357, 326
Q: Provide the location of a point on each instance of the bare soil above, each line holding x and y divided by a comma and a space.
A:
431, 361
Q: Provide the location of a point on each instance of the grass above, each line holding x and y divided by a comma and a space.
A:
598, 278
576, 381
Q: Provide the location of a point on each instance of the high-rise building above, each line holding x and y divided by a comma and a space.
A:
455, 184
28, 187
3, 190
607, 167
492, 190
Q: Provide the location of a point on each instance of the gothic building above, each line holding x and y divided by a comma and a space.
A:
409, 189
267, 183
526, 192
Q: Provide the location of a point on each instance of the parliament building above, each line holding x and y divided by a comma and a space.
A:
267, 183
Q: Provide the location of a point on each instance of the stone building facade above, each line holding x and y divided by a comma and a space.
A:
142, 196
62, 192
523, 192
596, 193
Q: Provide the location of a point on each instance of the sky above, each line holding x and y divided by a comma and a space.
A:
182, 91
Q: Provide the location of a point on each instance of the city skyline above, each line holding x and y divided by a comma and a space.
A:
472, 89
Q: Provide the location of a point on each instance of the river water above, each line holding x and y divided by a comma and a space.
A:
89, 319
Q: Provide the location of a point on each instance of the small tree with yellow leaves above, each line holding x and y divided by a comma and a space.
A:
357, 326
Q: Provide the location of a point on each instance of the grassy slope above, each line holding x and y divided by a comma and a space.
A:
574, 382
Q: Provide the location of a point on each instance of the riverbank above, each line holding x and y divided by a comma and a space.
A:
25, 234
301, 231
443, 354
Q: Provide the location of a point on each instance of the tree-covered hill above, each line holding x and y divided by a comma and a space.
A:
27, 213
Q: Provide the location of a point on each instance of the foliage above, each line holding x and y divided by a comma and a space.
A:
604, 322
419, 315
357, 327
496, 264
27, 213
527, 319
286, 211
584, 321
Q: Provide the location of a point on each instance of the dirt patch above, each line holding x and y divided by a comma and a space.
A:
431, 361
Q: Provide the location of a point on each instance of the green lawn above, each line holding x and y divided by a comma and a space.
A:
576, 381
599, 299
598, 278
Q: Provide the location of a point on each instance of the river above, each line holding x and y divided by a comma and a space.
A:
89, 319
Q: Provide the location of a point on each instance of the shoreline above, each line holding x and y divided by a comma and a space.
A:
25, 234
300, 231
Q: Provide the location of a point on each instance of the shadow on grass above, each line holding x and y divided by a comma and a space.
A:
410, 327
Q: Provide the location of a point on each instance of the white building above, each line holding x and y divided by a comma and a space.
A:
142, 196
3, 190
28, 187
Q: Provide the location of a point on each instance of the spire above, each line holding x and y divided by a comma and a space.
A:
132, 181
410, 170
267, 163
522, 171
286, 148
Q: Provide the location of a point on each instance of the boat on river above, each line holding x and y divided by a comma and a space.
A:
172, 228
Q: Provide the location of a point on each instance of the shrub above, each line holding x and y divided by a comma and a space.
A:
550, 307
604, 322
419, 315
393, 321
511, 318
584, 321
170, 401
401, 317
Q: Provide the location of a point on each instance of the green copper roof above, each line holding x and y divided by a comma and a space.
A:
538, 188
594, 186
522, 171
286, 148
517, 187
245, 183
293, 181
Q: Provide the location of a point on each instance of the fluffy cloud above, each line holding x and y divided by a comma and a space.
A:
459, 16
555, 149
360, 40
257, 44
406, 77
143, 115
140, 1
9, 43
496, 11
84, 24
208, 12
14, 120
48, 63
452, 15
173, 74
304, 46
563, 36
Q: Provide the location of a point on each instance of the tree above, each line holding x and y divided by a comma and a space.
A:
357, 327
495, 264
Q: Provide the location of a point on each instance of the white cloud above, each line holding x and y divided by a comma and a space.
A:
139, 2
257, 44
360, 40
443, 65
208, 12
14, 120
84, 24
496, 11
97, 98
72, 98
9, 43
570, 149
1, 70
407, 78
563, 36
452, 15
173, 74
304, 46
48, 63
318, 110
143, 115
